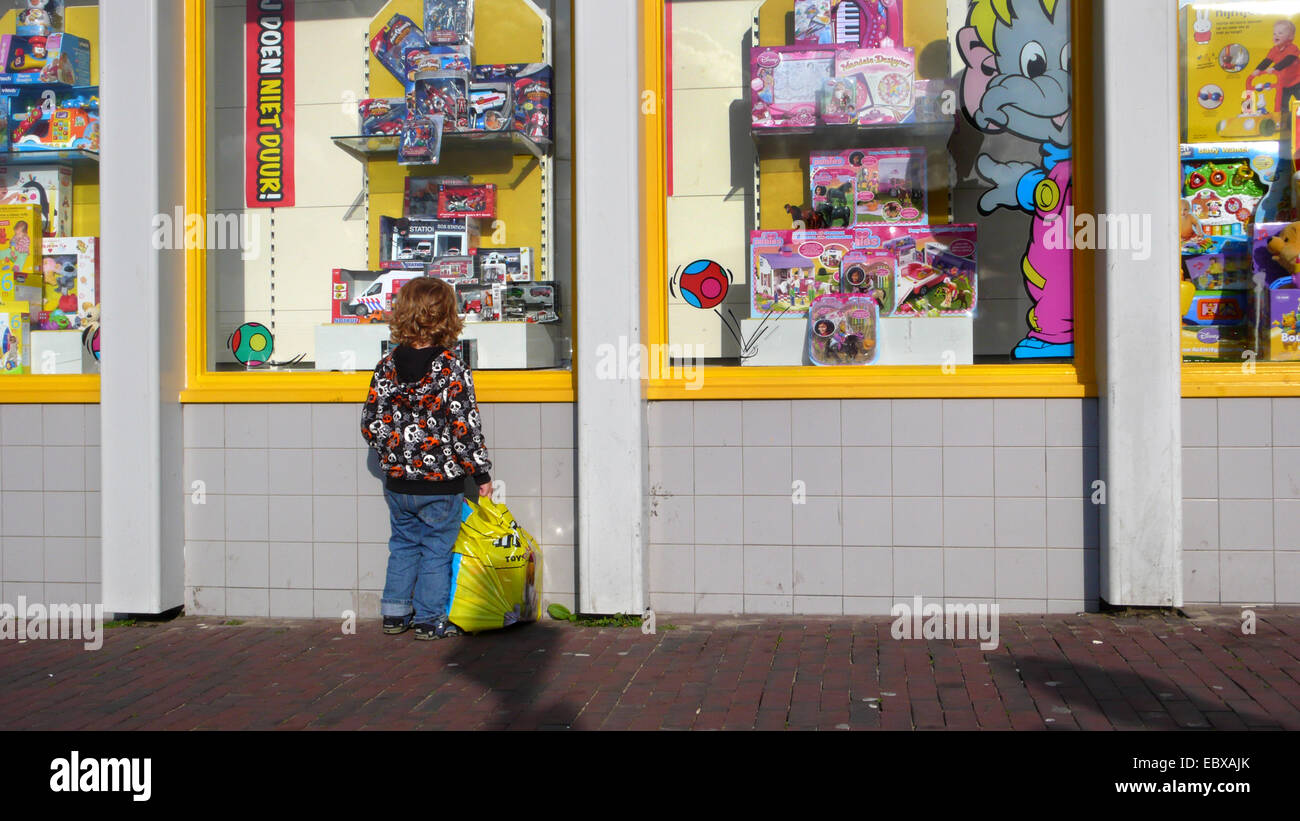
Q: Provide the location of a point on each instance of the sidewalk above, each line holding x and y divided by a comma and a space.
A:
1089, 671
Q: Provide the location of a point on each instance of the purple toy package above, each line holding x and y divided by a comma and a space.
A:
786, 83
889, 183
398, 36
842, 330
868, 23
883, 79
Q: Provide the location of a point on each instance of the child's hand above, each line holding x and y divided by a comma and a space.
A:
485, 490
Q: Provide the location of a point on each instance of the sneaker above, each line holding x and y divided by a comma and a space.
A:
426, 631
448, 630
396, 625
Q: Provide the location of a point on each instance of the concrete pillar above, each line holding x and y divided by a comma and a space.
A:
142, 173
612, 556
1139, 367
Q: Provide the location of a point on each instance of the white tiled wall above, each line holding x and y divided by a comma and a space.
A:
292, 522
1241, 501
970, 500
50, 516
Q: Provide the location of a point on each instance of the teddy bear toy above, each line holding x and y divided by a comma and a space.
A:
1285, 248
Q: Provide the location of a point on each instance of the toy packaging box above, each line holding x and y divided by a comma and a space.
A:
834, 193
56, 59
480, 302
530, 302
437, 58
491, 106
1242, 66
842, 330
789, 269
420, 194
458, 270
1227, 186
870, 272
365, 296
413, 243
882, 83
54, 119
1217, 263
532, 85
1276, 258
503, 264
1212, 343
441, 92
15, 332
937, 270
867, 23
935, 100
812, 22
20, 240
888, 183
382, 117
70, 273
421, 140
49, 186
467, 201
786, 83
449, 21
39, 17
398, 36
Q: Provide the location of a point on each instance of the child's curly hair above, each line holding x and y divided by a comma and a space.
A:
425, 311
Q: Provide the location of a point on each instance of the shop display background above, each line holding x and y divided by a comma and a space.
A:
304, 243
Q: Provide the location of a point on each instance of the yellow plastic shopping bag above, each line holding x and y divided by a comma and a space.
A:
496, 570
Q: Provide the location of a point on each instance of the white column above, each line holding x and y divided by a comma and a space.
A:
611, 415
1139, 369
142, 173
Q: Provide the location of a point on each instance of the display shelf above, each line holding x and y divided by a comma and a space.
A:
69, 157
366, 148
799, 142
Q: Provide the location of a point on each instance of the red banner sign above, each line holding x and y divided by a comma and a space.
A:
268, 130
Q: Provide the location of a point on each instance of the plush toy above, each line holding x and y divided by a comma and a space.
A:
1285, 248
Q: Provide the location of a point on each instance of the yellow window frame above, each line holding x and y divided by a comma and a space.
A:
1077, 379
202, 385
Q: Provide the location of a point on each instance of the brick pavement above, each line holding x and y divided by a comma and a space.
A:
1089, 671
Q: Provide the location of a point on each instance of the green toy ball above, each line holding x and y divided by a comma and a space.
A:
252, 344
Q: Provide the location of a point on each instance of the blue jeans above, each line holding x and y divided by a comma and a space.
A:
419, 555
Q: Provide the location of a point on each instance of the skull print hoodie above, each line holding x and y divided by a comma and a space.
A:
422, 419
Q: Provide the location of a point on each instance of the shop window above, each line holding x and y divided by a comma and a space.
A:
49, 200
868, 183
356, 145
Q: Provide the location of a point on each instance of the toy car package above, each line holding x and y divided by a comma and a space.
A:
48, 119
468, 201
842, 330
421, 142
457, 270
532, 85
415, 243
398, 36
491, 106
480, 301
437, 58
530, 302
420, 194
382, 117
504, 264
449, 21
445, 93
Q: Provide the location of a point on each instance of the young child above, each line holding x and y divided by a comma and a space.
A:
422, 419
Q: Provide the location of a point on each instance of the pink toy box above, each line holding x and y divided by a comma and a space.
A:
936, 271
786, 83
889, 183
842, 330
867, 23
789, 269
882, 83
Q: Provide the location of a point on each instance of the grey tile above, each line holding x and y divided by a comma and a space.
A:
918, 422
661, 603
1019, 422
33, 591
65, 593
247, 564
247, 518
769, 605
290, 426
372, 566
1071, 523
969, 571
520, 470
672, 471
1064, 423
528, 512
370, 474
65, 560
20, 425
23, 468
869, 572
205, 564
1022, 574
1073, 574
334, 566
717, 423
64, 425
204, 522
868, 521
289, 518
559, 520
1021, 523
918, 571
918, 471
247, 602
1200, 423
918, 521
558, 422
719, 520
968, 422
67, 468
815, 422
819, 605
768, 521
205, 426
94, 562
818, 571
1287, 577
94, 468
672, 520
818, 522
1245, 423
1200, 473
23, 513
558, 472
1247, 473
1020, 471
718, 470
868, 605
206, 465
719, 570
1286, 524
331, 604
866, 422
1246, 577
968, 522
1246, 524
767, 471
1200, 524
291, 565
1201, 577
246, 426
672, 568
94, 514
247, 472
334, 519
290, 472
1070, 472
373, 521
291, 604
818, 468
1286, 433
867, 471
558, 574
518, 425
24, 559
205, 601
769, 570
765, 423
968, 471
93, 437
336, 426
65, 514
1286, 473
